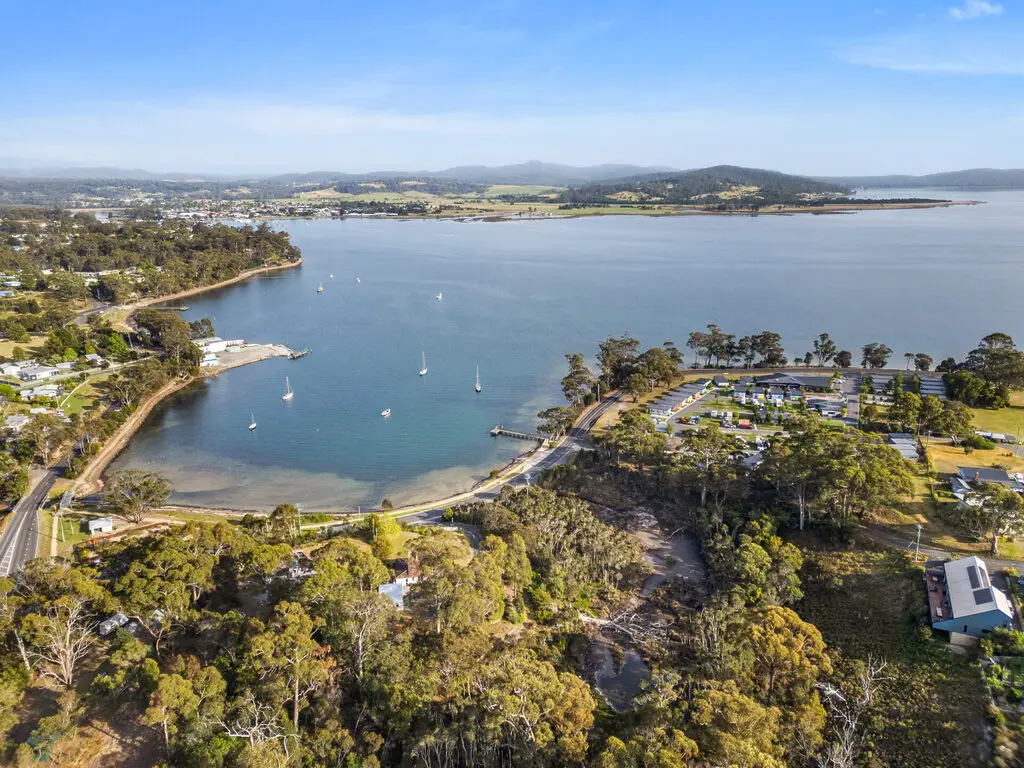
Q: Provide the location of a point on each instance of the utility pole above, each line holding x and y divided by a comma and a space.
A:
917, 545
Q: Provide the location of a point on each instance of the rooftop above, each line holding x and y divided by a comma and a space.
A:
970, 591
985, 475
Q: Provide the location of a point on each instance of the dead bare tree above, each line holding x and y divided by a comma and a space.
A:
845, 712
255, 722
631, 624
59, 638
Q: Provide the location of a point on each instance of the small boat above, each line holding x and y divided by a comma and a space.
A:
478, 387
252, 422
439, 297
386, 412
288, 394
320, 289
332, 277
357, 280
423, 370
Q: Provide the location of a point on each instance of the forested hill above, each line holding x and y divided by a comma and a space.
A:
721, 184
975, 178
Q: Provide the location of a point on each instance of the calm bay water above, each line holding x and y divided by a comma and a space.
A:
518, 296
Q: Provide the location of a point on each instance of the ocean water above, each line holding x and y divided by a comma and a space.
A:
519, 295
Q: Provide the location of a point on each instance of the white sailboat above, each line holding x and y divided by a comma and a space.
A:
320, 288
478, 387
357, 280
423, 370
252, 421
332, 277
386, 412
288, 394
439, 297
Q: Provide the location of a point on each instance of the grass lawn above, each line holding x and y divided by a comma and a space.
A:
930, 711
1004, 420
86, 396
33, 347
946, 458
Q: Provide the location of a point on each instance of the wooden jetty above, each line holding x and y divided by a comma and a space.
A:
175, 308
500, 430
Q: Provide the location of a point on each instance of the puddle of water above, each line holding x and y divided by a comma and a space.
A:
619, 684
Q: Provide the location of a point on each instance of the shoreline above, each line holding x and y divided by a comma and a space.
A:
494, 216
204, 288
90, 480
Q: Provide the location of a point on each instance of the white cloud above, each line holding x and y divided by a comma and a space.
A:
938, 55
975, 9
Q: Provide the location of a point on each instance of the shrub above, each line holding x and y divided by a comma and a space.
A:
978, 442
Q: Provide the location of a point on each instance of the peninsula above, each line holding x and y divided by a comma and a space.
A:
530, 190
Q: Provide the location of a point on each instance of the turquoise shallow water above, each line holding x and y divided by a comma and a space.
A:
517, 297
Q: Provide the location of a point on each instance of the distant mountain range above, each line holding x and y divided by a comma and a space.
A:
11, 170
975, 178
531, 173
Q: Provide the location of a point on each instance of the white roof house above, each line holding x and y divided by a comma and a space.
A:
964, 585
100, 524
16, 422
46, 390
37, 372
10, 369
973, 606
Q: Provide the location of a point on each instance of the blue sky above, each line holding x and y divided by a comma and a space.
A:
232, 87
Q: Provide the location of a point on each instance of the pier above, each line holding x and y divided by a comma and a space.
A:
500, 430
296, 355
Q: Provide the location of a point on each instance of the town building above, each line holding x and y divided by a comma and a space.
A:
37, 372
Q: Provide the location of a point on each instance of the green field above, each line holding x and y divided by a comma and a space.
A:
1004, 420
497, 190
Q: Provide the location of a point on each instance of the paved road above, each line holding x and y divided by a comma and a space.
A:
898, 541
570, 444
851, 388
20, 540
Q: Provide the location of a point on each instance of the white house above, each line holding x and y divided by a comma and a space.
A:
10, 369
37, 372
100, 525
